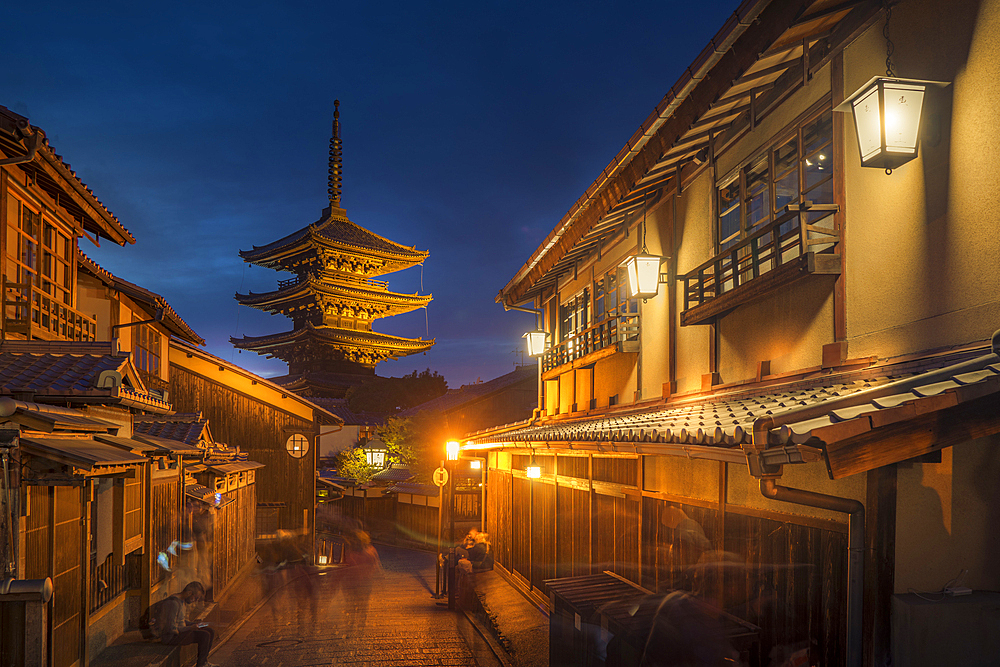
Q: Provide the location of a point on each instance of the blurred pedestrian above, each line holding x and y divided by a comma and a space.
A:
171, 626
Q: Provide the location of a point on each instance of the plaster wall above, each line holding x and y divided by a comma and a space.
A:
923, 242
615, 376
946, 519
693, 243
654, 313
686, 478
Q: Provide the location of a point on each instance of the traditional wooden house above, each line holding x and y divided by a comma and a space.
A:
798, 421
333, 298
274, 426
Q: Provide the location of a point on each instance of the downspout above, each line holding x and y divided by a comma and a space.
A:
856, 551
34, 141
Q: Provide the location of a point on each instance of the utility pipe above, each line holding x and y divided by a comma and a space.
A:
34, 141
856, 551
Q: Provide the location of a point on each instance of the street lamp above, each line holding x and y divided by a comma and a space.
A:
451, 449
537, 342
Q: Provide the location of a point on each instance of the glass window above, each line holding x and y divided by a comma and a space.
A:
297, 446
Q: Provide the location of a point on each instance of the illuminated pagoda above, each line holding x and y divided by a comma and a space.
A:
333, 298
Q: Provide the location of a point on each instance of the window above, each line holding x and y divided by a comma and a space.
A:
796, 169
573, 315
297, 446
147, 353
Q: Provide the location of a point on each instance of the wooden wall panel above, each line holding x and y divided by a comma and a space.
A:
543, 561
261, 430
520, 530
572, 532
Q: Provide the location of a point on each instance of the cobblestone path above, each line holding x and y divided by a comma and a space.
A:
321, 620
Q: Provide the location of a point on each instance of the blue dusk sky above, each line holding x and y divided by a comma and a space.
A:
469, 129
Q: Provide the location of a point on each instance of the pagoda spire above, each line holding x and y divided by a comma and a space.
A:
335, 172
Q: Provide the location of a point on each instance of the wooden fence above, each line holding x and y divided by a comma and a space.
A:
788, 578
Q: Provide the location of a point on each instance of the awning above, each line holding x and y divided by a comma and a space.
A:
236, 466
83, 453
49, 418
128, 444
207, 495
175, 446
855, 421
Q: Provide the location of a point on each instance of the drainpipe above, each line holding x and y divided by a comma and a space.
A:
856, 551
34, 141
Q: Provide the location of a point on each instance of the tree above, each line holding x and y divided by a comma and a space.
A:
353, 464
390, 395
416, 441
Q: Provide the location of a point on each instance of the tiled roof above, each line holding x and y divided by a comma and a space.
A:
63, 169
811, 412
414, 488
338, 406
396, 472
471, 392
187, 428
335, 335
63, 368
338, 230
322, 380
171, 319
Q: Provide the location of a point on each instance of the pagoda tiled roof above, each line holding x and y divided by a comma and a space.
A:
273, 301
338, 230
334, 336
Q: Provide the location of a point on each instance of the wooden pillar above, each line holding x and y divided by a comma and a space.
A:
880, 565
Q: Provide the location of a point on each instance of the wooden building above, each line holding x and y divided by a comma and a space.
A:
799, 425
334, 299
274, 426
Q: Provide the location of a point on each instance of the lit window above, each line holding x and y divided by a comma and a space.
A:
297, 446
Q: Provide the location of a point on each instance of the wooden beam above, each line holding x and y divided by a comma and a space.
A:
764, 32
906, 439
880, 564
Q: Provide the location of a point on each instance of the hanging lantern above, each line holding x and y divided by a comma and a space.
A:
533, 471
537, 342
451, 449
887, 113
643, 272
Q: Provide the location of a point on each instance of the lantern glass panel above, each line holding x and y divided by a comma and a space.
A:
533, 471
902, 116
867, 120
643, 275
536, 342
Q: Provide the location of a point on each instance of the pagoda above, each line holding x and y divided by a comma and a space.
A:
333, 298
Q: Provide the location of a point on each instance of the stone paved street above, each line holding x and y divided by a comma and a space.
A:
325, 623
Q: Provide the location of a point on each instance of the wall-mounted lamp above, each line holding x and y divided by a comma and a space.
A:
537, 342
533, 471
887, 113
476, 464
643, 269
451, 450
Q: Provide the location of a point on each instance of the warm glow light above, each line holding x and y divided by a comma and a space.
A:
322, 560
887, 115
533, 471
643, 275
476, 464
452, 447
537, 342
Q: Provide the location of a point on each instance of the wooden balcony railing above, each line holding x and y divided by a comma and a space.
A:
30, 311
801, 241
620, 330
